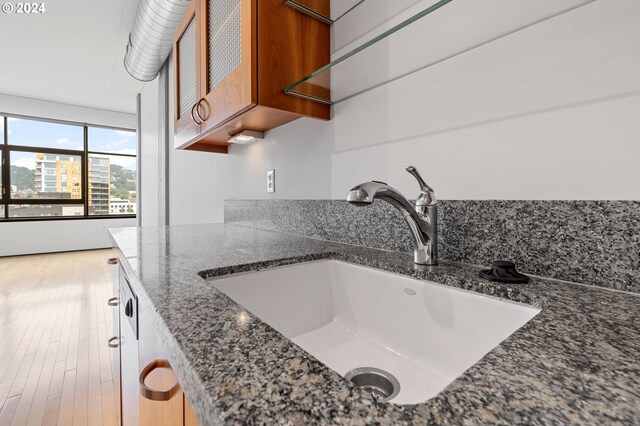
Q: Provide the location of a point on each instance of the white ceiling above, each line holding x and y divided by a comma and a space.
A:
72, 53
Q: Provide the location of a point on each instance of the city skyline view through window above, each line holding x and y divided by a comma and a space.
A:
53, 169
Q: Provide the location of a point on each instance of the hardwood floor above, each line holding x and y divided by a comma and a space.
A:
55, 366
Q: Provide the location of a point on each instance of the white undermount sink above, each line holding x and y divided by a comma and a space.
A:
350, 316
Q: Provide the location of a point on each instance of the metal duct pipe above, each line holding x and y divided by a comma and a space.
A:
151, 38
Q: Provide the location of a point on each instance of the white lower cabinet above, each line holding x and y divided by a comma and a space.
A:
128, 353
114, 341
151, 393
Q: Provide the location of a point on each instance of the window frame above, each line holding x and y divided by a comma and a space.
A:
4, 168
5, 194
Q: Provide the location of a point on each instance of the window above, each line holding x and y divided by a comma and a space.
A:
112, 171
2, 170
51, 169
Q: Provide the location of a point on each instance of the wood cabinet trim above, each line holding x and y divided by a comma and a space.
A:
185, 127
290, 46
208, 147
190, 418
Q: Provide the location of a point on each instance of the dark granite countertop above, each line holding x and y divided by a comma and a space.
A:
577, 362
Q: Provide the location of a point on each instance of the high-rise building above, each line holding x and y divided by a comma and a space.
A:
59, 176
99, 184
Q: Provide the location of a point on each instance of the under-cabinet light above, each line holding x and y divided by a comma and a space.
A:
246, 136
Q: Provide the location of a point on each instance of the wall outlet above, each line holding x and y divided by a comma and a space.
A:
271, 180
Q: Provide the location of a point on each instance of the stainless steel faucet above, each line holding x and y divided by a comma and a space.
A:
421, 216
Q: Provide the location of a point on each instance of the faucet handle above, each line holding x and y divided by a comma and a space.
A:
427, 196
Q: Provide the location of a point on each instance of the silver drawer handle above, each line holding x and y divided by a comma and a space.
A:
113, 301
154, 394
113, 345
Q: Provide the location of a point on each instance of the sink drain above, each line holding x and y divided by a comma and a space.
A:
380, 384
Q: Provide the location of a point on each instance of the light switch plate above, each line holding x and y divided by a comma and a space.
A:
271, 180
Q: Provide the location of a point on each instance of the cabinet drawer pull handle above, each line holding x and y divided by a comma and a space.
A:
113, 345
153, 394
202, 120
113, 301
192, 117
112, 261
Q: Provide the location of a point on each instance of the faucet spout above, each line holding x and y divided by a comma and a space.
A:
421, 217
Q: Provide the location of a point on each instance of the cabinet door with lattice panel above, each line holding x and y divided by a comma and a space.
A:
228, 74
187, 70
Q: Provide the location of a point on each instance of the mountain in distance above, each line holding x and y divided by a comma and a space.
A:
23, 178
122, 181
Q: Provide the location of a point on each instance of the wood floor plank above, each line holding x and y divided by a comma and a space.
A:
81, 401
20, 362
22, 374
55, 388
43, 384
12, 333
94, 375
29, 390
8, 410
65, 413
51, 411
55, 366
39, 402
108, 404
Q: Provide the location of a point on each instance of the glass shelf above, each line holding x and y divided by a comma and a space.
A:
321, 9
317, 85
404, 49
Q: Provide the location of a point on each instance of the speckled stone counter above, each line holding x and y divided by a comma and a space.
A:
577, 362
592, 242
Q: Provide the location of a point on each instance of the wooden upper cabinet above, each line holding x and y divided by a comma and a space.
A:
247, 52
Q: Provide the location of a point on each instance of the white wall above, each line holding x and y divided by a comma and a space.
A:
149, 154
548, 112
59, 235
194, 191
58, 111
18, 238
195, 194
300, 153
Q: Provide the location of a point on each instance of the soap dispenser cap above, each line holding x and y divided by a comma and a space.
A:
504, 271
